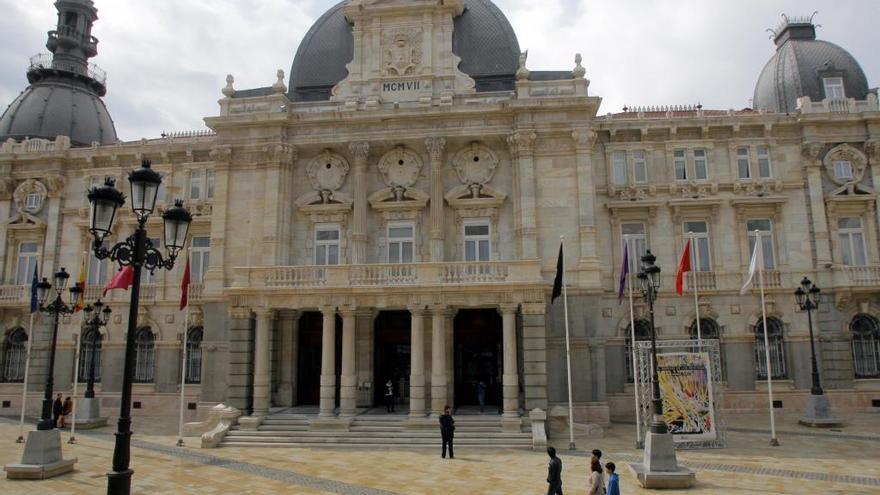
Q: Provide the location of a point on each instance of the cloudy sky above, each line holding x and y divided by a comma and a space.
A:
167, 59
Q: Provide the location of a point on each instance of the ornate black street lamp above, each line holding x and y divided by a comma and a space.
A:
93, 323
649, 278
56, 307
807, 296
138, 252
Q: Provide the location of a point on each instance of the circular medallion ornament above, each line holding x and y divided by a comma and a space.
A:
475, 164
400, 167
327, 171
29, 196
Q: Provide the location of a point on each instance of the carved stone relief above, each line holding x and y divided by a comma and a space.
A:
475, 165
327, 172
401, 51
848, 153
30, 196
400, 169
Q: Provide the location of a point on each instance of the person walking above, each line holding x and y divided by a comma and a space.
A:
597, 483
389, 396
554, 473
57, 409
66, 409
481, 395
613, 481
447, 432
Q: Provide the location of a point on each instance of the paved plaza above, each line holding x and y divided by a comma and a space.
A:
844, 461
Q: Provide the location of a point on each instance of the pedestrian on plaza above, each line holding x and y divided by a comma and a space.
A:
389, 396
613, 482
57, 409
447, 432
66, 409
554, 473
596, 457
597, 482
481, 394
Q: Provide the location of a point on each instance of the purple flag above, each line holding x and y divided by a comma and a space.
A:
624, 271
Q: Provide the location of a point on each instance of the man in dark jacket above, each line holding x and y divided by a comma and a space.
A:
57, 410
554, 473
447, 431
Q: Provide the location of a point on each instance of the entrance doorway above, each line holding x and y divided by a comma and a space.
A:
478, 357
308, 373
392, 356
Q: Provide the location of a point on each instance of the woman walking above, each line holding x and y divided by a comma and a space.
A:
597, 483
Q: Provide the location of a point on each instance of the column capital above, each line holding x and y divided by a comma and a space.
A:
584, 139
522, 142
327, 310
287, 313
264, 312
360, 150
440, 310
347, 311
534, 308
508, 308
435, 146
417, 309
239, 313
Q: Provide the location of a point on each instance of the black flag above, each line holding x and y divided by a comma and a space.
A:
557, 282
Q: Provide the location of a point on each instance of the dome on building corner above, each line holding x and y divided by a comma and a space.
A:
803, 66
482, 37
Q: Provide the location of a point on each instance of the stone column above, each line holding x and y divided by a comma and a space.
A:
261, 361
438, 359
289, 334
510, 378
348, 385
417, 362
360, 150
328, 362
436, 146
522, 149
213, 277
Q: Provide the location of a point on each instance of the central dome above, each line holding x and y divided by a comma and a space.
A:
482, 38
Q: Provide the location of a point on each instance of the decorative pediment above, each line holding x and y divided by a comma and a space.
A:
475, 195
846, 153
397, 198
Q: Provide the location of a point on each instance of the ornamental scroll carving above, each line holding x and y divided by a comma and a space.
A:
400, 169
402, 51
327, 171
475, 166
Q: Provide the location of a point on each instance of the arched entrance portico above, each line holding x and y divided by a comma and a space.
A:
392, 355
478, 357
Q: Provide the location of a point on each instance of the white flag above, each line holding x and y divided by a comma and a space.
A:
756, 264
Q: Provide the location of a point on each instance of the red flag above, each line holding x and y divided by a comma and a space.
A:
684, 266
122, 280
184, 286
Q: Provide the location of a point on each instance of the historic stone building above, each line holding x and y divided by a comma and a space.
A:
394, 212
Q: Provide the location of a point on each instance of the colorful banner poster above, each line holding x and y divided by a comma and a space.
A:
686, 389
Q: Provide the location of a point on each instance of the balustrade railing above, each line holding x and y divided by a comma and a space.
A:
391, 274
863, 275
14, 293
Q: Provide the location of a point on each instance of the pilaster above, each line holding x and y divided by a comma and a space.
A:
262, 357
813, 168
588, 260
510, 378
522, 149
360, 150
436, 147
534, 355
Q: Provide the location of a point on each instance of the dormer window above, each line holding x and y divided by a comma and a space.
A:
834, 88
843, 170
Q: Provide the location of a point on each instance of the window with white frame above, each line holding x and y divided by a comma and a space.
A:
834, 88
201, 253
476, 240
27, 263
401, 242
852, 241
145, 356
640, 167
327, 244
764, 166
843, 170
743, 164
195, 185
99, 270
633, 235
33, 201
679, 161
764, 227
701, 164
777, 349
699, 231
618, 165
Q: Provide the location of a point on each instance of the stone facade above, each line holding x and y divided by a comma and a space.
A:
320, 217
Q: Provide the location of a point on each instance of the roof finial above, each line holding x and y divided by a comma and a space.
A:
228, 91
522, 74
279, 86
579, 71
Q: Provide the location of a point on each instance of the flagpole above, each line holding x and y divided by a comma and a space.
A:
773, 441
183, 360
571, 445
632, 327
27, 366
78, 339
696, 297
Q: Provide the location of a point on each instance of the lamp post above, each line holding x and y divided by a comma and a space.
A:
56, 307
138, 252
94, 322
649, 278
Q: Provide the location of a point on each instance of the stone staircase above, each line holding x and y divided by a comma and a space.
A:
369, 430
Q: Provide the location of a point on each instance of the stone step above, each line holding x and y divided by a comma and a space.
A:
229, 440
364, 434
369, 446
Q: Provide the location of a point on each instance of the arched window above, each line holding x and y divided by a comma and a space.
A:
145, 356
194, 355
90, 348
643, 332
866, 346
14, 355
709, 329
777, 349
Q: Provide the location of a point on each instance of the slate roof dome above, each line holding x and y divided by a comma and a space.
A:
799, 67
482, 38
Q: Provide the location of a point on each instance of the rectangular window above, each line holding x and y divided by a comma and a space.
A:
742, 163
209, 184
834, 88
27, 263
326, 244
634, 237
699, 231
162, 193
765, 229
680, 162
764, 170
852, 241
618, 163
701, 165
195, 184
201, 254
32, 201
99, 270
401, 243
476, 240
843, 170
640, 167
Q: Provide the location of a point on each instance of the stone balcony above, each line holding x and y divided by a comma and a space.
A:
714, 282
19, 295
837, 105
857, 277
